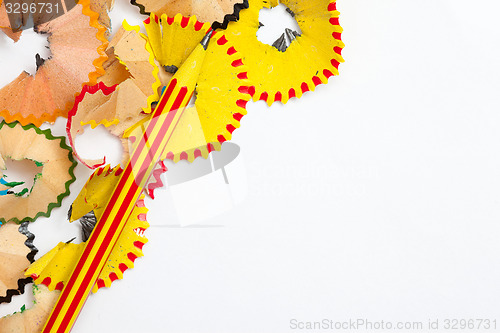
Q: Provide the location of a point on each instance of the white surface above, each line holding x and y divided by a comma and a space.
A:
376, 197
204, 189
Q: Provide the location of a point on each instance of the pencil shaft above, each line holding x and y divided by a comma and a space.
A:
130, 185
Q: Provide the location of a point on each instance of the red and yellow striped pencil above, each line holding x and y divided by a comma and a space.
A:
174, 99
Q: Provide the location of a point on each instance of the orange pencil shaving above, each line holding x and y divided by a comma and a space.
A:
175, 98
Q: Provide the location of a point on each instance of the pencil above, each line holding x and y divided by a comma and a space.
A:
174, 99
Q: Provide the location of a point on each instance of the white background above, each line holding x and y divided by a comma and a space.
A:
377, 196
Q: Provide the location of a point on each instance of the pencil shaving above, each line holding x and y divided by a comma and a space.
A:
50, 186
172, 39
15, 257
32, 319
221, 93
282, 71
77, 45
5, 25
205, 10
134, 76
54, 269
103, 7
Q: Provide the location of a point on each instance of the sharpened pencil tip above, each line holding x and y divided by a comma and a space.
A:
206, 40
